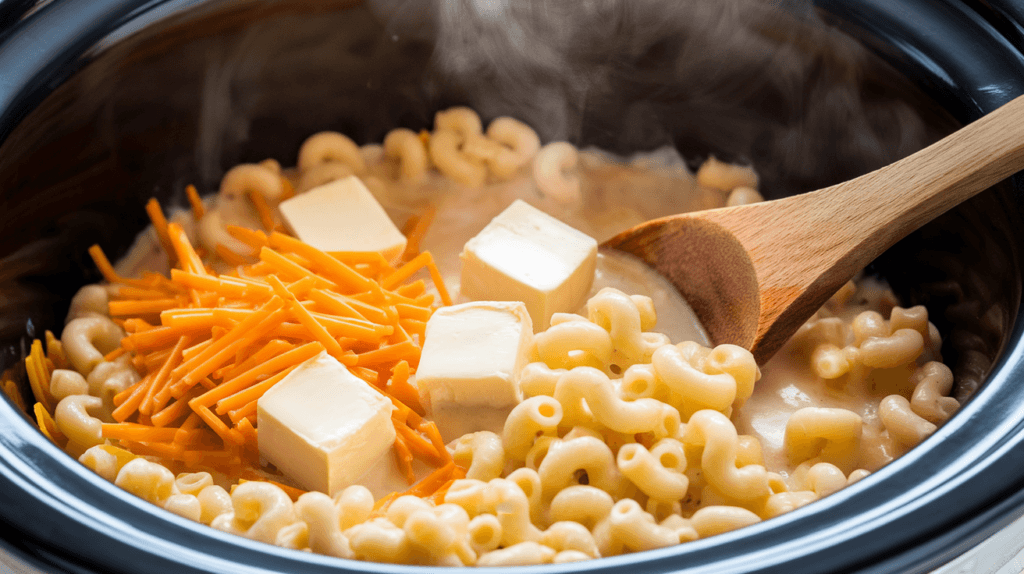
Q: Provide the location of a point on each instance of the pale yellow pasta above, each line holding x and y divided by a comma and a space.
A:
783, 502
606, 408
629, 527
474, 496
725, 176
327, 147
185, 506
75, 421
272, 165
192, 482
539, 379
354, 504
481, 453
461, 552
110, 378
65, 382
900, 348
716, 434
294, 536
213, 232
825, 479
736, 362
904, 426
87, 339
317, 510
214, 501
567, 535
520, 145
446, 152
459, 120
573, 343
89, 301
522, 554
825, 434
697, 390
712, 520
513, 511
481, 148
528, 481
259, 511
584, 504
620, 315
639, 382
406, 146
856, 476
247, 178
681, 527
540, 414
538, 451
743, 196
378, 540
658, 473
831, 362
322, 174
101, 462
565, 458
932, 382
748, 451
554, 172
867, 325
484, 533
436, 538
566, 556
403, 507
147, 480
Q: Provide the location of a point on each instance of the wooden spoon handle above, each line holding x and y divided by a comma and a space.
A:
838, 230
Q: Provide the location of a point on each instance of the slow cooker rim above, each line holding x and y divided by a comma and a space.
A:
20, 441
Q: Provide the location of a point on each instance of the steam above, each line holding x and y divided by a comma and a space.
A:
760, 81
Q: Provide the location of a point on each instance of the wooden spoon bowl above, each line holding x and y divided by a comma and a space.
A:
754, 273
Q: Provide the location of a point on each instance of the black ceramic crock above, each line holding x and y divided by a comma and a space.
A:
104, 103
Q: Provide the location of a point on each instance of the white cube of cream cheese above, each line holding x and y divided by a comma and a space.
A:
526, 255
324, 427
342, 216
469, 368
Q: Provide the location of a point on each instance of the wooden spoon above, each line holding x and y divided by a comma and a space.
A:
754, 273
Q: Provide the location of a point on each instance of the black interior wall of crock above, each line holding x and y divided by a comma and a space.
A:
181, 101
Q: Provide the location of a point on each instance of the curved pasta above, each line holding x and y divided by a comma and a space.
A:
539, 379
482, 453
329, 146
446, 152
90, 300
214, 501
567, 535
697, 389
743, 195
110, 378
317, 510
74, 420
725, 176
484, 533
522, 554
185, 506
593, 386
65, 382
407, 147
147, 480
459, 120
259, 511
565, 458
584, 504
658, 473
900, 348
831, 435
535, 415
620, 315
629, 527
87, 339
379, 540
354, 504
575, 343
712, 520
551, 171
932, 382
520, 145
905, 427
716, 434
247, 178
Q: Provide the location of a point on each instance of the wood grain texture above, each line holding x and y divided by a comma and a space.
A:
798, 251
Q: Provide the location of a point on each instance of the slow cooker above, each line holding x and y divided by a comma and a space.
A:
105, 103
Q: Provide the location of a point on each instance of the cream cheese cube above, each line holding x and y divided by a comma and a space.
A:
469, 368
342, 216
526, 255
323, 426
